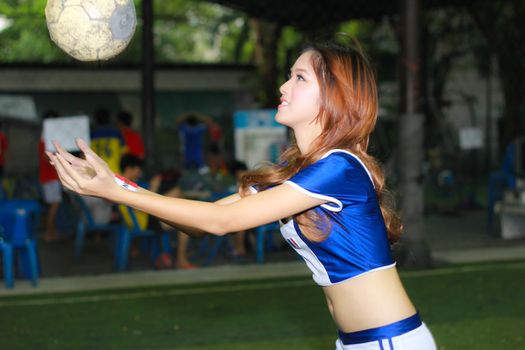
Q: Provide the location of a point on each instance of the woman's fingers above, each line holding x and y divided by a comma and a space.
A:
97, 164
66, 180
84, 147
60, 149
50, 156
79, 175
74, 160
70, 172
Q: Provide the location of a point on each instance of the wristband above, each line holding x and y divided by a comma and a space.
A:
125, 183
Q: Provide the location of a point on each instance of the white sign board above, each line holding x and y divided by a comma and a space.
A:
66, 130
470, 138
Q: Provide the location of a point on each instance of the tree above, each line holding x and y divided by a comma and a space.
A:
500, 21
186, 31
414, 250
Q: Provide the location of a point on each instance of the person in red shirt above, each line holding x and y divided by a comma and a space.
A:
51, 187
132, 138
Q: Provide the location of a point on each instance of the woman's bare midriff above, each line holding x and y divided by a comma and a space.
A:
372, 300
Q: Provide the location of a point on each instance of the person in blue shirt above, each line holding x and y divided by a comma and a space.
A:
192, 129
327, 193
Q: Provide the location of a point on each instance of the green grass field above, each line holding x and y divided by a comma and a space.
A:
466, 307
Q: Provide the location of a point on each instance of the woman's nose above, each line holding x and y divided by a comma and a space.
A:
284, 88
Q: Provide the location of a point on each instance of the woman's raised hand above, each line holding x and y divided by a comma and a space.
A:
90, 176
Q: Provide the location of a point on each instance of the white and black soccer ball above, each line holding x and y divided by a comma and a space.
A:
91, 30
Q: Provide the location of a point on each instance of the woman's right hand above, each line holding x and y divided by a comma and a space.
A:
90, 176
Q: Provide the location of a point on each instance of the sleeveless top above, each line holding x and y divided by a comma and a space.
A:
357, 243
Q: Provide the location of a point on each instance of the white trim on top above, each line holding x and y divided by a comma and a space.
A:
353, 155
384, 267
320, 196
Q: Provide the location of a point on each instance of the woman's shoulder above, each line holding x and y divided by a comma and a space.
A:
345, 158
342, 155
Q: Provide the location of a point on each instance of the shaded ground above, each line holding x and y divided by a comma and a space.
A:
445, 234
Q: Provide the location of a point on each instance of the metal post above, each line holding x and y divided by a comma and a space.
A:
148, 89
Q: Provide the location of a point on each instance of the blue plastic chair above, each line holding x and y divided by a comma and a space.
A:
86, 224
263, 241
219, 242
18, 222
126, 235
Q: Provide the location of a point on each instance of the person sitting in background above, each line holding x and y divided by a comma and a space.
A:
107, 141
51, 188
132, 168
238, 169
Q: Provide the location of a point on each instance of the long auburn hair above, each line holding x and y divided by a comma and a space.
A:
348, 114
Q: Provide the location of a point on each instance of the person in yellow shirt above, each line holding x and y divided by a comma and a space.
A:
107, 141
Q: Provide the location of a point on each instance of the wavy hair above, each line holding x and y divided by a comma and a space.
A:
348, 114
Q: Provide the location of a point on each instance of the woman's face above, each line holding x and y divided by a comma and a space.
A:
299, 95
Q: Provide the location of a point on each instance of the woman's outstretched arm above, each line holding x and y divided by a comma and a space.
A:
192, 231
268, 206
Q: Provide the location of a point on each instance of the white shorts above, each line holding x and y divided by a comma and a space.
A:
52, 192
100, 209
416, 339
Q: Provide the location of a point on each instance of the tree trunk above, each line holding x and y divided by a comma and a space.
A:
413, 250
511, 77
267, 36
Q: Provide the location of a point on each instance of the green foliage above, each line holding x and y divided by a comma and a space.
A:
185, 31
23, 8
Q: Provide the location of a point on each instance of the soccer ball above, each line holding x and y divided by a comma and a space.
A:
91, 30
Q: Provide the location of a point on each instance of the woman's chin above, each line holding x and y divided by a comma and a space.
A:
279, 118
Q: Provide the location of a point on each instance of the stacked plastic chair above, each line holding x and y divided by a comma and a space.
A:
18, 222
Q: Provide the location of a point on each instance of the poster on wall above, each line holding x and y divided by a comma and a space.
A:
66, 130
258, 137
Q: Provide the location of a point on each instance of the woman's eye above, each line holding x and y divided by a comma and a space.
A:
300, 77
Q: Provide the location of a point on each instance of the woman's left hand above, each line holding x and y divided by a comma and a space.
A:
91, 177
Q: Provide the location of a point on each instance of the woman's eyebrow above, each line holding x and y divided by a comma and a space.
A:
295, 70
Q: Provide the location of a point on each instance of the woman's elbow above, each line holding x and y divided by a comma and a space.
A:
222, 221
220, 227
218, 230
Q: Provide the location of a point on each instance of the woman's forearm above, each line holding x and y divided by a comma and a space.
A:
191, 231
188, 215
194, 232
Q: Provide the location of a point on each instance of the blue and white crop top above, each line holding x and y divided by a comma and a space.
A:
358, 242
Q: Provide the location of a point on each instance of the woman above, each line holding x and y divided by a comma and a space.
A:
327, 193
